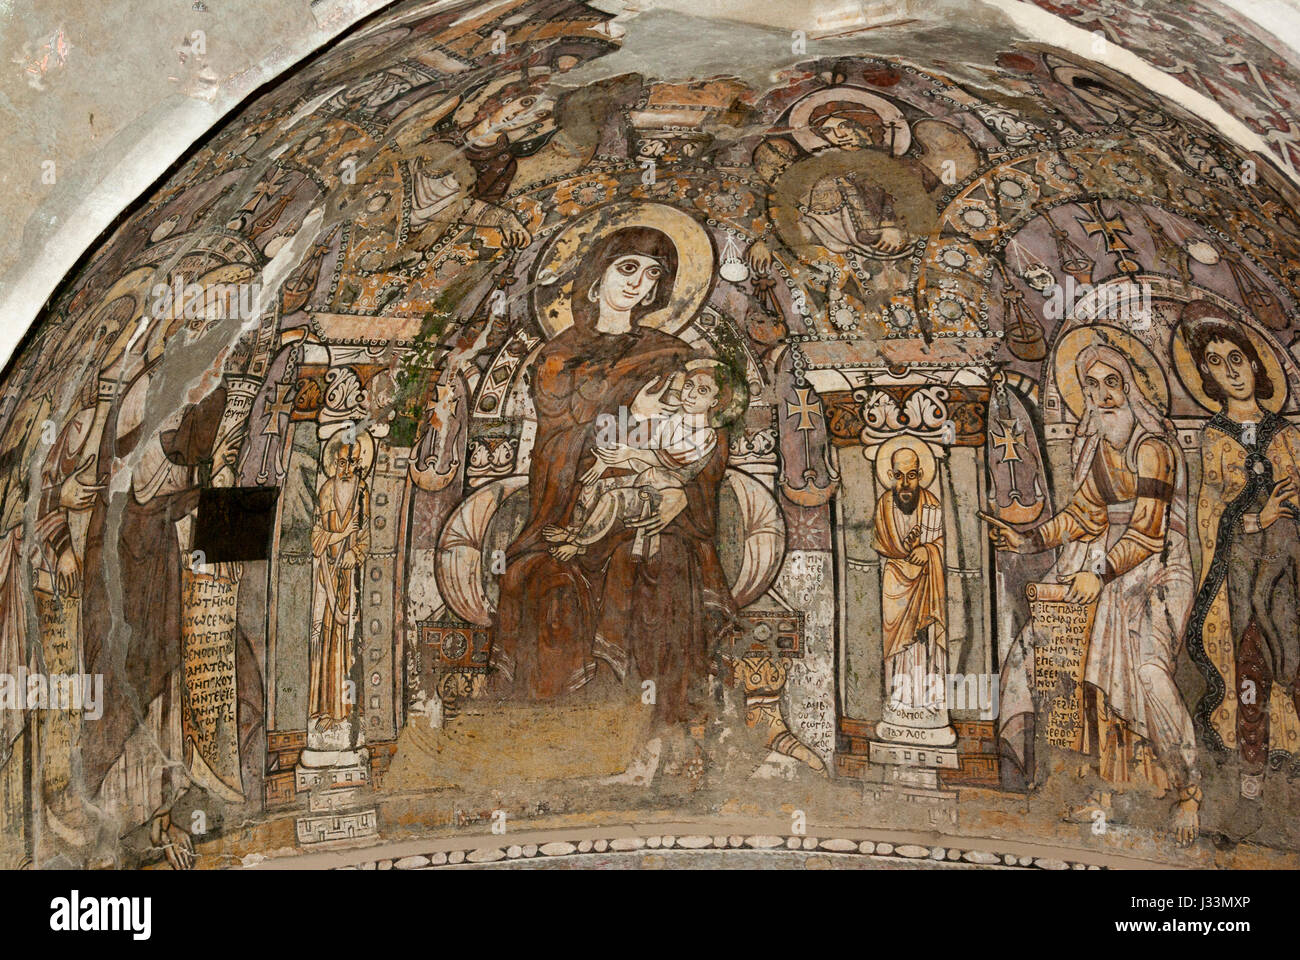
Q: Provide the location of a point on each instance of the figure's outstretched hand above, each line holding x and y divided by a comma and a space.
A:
514, 232
1003, 536
890, 242
760, 257
175, 842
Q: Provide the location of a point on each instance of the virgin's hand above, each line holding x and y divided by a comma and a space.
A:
673, 503
611, 455
649, 403
592, 475
650, 525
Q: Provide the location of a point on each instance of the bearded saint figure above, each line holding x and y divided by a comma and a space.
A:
914, 596
1123, 543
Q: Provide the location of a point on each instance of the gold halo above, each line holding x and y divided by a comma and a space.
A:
1190, 377
813, 142
886, 451
135, 286
1146, 370
558, 264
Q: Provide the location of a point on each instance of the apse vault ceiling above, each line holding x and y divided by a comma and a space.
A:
813, 423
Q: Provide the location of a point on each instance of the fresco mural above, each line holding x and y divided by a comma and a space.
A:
454, 442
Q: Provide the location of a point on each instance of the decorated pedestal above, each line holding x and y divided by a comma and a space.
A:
337, 784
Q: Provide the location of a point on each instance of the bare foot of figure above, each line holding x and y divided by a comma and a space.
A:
175, 842
1186, 820
764, 713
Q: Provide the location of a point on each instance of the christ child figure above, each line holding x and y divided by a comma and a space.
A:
676, 449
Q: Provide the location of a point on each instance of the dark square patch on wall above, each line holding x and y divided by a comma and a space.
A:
235, 523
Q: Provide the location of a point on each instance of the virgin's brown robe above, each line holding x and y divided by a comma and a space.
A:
545, 643
663, 614
147, 559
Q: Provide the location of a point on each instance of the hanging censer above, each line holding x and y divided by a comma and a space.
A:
732, 269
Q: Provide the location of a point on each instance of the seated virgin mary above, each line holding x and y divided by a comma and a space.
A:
606, 617
618, 644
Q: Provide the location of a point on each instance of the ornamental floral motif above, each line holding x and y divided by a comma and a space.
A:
582, 193
725, 199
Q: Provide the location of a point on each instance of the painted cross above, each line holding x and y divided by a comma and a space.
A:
282, 405
805, 409
443, 393
266, 188
1113, 230
1006, 441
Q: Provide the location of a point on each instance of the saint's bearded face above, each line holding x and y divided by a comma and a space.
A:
1106, 392
906, 499
905, 466
349, 459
